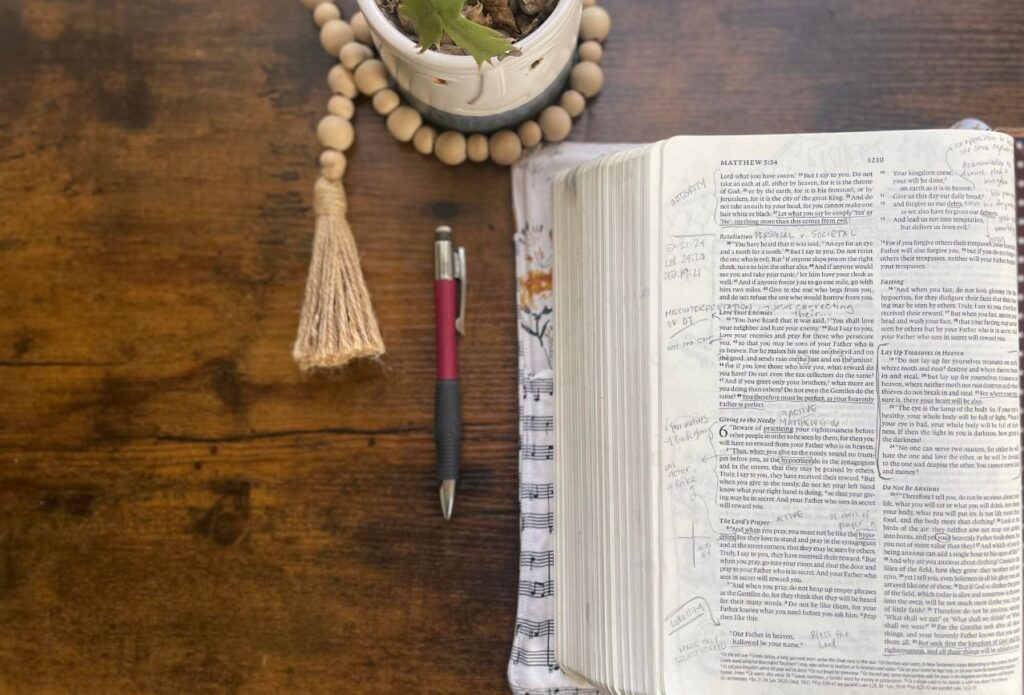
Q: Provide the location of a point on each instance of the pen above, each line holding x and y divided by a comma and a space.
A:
449, 312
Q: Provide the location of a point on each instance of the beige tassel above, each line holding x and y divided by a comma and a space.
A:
337, 323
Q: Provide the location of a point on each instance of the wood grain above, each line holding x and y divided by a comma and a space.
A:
180, 509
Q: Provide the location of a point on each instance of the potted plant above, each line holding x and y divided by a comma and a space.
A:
463, 75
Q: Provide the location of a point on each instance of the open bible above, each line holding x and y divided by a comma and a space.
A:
787, 416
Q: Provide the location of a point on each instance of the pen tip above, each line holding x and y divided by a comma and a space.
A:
447, 491
443, 233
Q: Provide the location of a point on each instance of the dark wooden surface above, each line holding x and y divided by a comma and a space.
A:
180, 509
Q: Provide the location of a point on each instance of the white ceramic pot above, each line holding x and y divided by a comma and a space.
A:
452, 92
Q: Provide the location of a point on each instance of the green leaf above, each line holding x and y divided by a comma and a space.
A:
434, 18
426, 20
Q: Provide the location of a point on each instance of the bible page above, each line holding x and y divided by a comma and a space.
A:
839, 414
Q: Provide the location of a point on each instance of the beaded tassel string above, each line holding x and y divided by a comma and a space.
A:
337, 323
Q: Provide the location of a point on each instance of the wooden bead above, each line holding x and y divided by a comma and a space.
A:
506, 147
385, 101
592, 51
555, 123
313, 4
423, 140
341, 106
476, 148
403, 123
573, 102
325, 12
341, 81
371, 76
335, 132
352, 54
530, 133
333, 165
361, 28
335, 34
587, 79
450, 147
595, 24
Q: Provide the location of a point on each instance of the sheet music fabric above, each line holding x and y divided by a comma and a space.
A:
532, 669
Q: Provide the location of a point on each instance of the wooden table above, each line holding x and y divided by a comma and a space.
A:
181, 511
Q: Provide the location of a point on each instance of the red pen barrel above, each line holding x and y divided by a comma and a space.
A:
445, 309
447, 415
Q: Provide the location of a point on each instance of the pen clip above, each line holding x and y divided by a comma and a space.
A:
459, 258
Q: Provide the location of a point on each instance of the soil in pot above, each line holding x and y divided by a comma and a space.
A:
515, 19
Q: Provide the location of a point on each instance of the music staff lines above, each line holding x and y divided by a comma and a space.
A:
537, 559
535, 657
536, 628
531, 520
538, 423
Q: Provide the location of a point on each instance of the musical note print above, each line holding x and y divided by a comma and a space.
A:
537, 491
534, 628
538, 388
537, 589
538, 452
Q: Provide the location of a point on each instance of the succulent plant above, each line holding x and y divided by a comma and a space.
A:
433, 19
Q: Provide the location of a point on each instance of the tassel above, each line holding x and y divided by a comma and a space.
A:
337, 323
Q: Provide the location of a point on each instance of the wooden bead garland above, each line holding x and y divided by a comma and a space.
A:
450, 147
573, 102
385, 101
477, 148
361, 28
590, 51
325, 12
335, 132
530, 133
587, 79
333, 165
334, 34
371, 76
555, 123
341, 106
403, 122
340, 80
595, 24
337, 323
506, 147
423, 140
352, 54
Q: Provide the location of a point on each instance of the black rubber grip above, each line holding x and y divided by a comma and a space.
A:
447, 428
